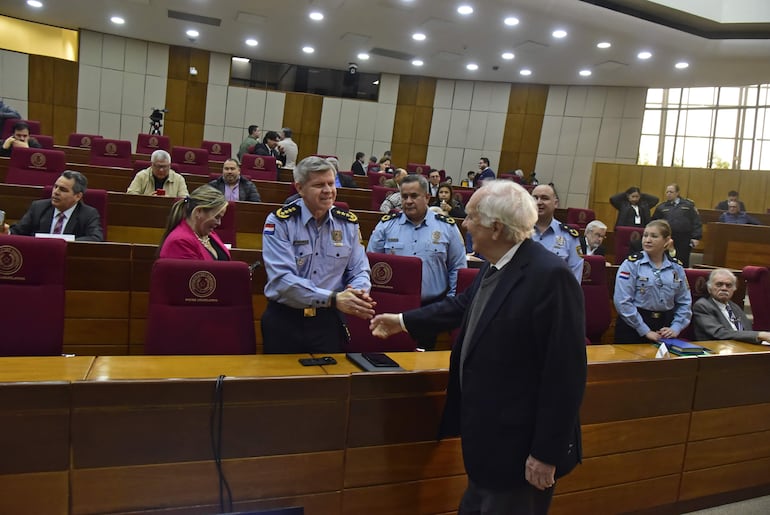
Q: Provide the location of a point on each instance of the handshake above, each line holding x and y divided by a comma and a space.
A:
358, 303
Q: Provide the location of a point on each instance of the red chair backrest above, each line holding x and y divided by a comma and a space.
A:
758, 287
219, 151
396, 287
32, 275
149, 143
226, 229
185, 292
465, 277
372, 168
191, 160
97, 199
696, 279
35, 166
377, 178
259, 167
34, 126
77, 139
465, 195
421, 168
45, 141
596, 293
110, 152
580, 217
378, 196
512, 177
623, 237
342, 205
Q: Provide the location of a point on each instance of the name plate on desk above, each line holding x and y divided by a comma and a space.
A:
65, 237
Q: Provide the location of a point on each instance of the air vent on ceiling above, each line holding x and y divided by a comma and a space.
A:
393, 54
250, 18
530, 47
447, 56
609, 65
179, 15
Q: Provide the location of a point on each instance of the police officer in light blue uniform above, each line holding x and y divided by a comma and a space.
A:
557, 237
316, 267
651, 296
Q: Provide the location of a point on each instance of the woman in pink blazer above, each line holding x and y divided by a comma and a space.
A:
190, 229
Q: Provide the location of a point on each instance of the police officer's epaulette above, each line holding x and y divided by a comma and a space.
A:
391, 216
573, 232
677, 261
342, 214
636, 256
286, 212
446, 219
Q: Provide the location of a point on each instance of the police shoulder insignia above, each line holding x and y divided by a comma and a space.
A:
677, 261
390, 216
635, 256
286, 212
344, 215
571, 230
446, 219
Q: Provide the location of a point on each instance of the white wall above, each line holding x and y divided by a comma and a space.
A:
584, 124
14, 77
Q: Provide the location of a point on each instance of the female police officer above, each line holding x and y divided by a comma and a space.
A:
652, 297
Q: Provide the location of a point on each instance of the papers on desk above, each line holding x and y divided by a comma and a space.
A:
764, 343
65, 237
662, 352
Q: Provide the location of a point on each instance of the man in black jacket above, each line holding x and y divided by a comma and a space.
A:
19, 138
235, 186
269, 147
683, 217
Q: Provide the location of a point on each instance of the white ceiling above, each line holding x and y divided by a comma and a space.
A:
353, 26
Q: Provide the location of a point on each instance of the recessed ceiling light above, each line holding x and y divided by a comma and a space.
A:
559, 33
34, 3
240, 59
472, 66
525, 72
603, 44
252, 42
418, 36
508, 55
192, 33
308, 49
117, 20
363, 56
465, 9
585, 73
316, 16
511, 21
644, 55
376, 83
681, 65
417, 62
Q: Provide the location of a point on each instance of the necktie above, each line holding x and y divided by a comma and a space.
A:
490, 272
59, 227
734, 319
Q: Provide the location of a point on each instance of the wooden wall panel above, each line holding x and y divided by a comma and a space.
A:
45, 492
302, 114
413, 119
311, 116
426, 92
726, 478
186, 96
178, 63
41, 80
407, 90
65, 92
196, 97
517, 100
523, 125
537, 97
635, 434
628, 497
293, 107
417, 498
402, 127
723, 451
721, 422
176, 94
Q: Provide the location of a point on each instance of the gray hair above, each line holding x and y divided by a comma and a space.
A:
81, 183
508, 203
716, 271
160, 155
418, 178
311, 164
335, 163
595, 225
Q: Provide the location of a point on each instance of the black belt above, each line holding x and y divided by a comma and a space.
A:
304, 312
654, 314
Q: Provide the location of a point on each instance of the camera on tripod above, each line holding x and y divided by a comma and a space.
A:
155, 118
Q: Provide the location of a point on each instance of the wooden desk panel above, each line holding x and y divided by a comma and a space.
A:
732, 380
44, 368
735, 246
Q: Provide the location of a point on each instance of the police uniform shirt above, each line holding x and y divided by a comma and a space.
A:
563, 241
305, 262
639, 284
436, 241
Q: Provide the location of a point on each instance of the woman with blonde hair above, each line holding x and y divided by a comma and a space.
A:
190, 228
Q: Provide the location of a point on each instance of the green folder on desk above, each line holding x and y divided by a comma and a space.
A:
682, 347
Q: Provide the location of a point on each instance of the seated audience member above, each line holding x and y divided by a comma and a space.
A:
731, 195
434, 181
233, 185
385, 165
393, 201
19, 138
358, 164
445, 200
716, 317
468, 182
288, 148
190, 228
591, 241
448, 180
398, 176
251, 141
269, 147
341, 180
159, 179
634, 207
734, 215
63, 213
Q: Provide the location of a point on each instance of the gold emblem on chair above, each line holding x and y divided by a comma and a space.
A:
700, 287
110, 149
189, 157
202, 284
259, 163
634, 236
382, 273
581, 216
216, 148
419, 169
37, 160
10, 260
152, 142
586, 271
85, 142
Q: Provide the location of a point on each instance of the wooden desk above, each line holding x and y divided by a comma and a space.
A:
44, 368
735, 246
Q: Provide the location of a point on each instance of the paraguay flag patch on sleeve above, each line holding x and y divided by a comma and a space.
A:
624, 274
268, 230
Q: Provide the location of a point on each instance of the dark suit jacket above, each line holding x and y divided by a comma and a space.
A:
32, 142
347, 181
525, 369
722, 206
584, 247
84, 223
710, 324
246, 189
626, 213
261, 149
358, 168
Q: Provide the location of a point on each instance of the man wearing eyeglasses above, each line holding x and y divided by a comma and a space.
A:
591, 241
716, 317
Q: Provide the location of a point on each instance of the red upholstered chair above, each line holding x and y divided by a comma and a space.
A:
349, 173
697, 279
596, 293
418, 168
372, 168
191, 160
35, 166
219, 151
342, 205
378, 196
465, 277
580, 217
377, 178
183, 293
45, 141
396, 287
324, 156
110, 152
32, 295
758, 286
77, 139
97, 199
623, 238
34, 126
226, 229
512, 177
149, 143
259, 167
465, 195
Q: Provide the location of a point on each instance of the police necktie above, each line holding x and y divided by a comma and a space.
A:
59, 227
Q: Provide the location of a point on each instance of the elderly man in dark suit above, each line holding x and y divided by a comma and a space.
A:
63, 213
716, 317
591, 241
518, 369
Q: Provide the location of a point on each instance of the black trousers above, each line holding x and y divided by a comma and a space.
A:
682, 247
520, 500
624, 333
287, 330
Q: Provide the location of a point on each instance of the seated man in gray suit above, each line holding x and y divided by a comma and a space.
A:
235, 186
716, 317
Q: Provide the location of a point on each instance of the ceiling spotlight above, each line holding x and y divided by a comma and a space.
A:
558, 34
240, 59
418, 36
308, 49
472, 66
465, 9
585, 73
508, 55
316, 16
117, 20
525, 72
681, 65
34, 3
511, 21
417, 62
603, 44
376, 83
252, 42
192, 33
363, 56
644, 55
